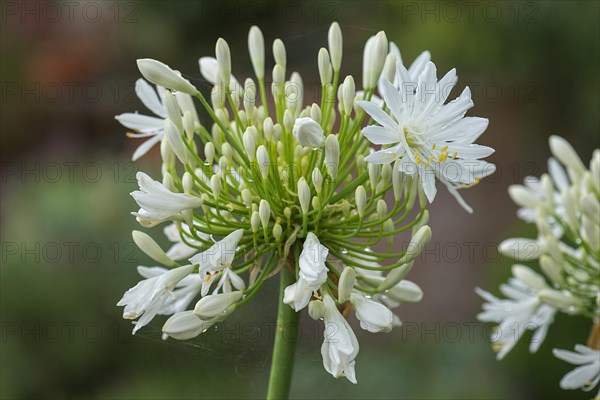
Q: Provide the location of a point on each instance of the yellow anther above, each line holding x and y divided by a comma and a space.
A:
444, 149
433, 147
454, 155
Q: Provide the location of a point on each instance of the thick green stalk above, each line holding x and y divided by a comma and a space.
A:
286, 334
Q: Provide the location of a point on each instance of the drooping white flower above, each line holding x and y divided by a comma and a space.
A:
521, 311
185, 325
217, 258
158, 203
182, 295
340, 346
146, 126
313, 273
213, 305
373, 316
432, 139
587, 375
149, 296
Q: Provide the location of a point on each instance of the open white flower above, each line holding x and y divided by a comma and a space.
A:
182, 295
522, 311
587, 375
149, 296
146, 126
217, 258
431, 139
158, 203
340, 346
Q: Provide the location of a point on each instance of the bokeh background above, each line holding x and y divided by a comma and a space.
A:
67, 254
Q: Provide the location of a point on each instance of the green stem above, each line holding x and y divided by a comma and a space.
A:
286, 335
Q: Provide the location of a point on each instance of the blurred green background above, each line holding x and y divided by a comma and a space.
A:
67, 255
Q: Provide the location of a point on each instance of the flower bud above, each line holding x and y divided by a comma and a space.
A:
565, 153
521, 249
418, 243
382, 208
256, 47
151, 248
374, 170
268, 128
254, 221
172, 108
316, 309
308, 133
348, 94
528, 277
277, 232
288, 120
551, 269
247, 197
188, 125
361, 200
223, 61
262, 158
332, 156
249, 144
185, 325
287, 212
264, 212
317, 180
334, 37
405, 292
249, 97
325, 71
209, 152
345, 284
161, 74
187, 182
561, 300
279, 53
303, 195
315, 112
394, 277
173, 135
278, 79
389, 68
216, 185
214, 304
316, 203
374, 56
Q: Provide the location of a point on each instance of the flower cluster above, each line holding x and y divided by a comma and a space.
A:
565, 206
270, 186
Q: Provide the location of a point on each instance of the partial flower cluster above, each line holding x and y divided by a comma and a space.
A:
565, 206
269, 184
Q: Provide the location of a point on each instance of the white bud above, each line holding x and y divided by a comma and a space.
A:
374, 170
249, 97
264, 212
176, 141
185, 325
223, 61
374, 56
188, 125
249, 144
332, 156
277, 232
348, 94
214, 304
591, 208
345, 284
361, 200
521, 249
262, 158
209, 152
172, 108
308, 133
397, 182
560, 300
268, 128
551, 269
303, 195
161, 74
382, 208
523, 196
187, 182
247, 197
216, 185
254, 221
529, 277
256, 47
565, 153
335, 45
316, 309
317, 180
151, 248
417, 244
186, 104
389, 68
315, 112
278, 79
279, 53
405, 292
288, 120
325, 71
394, 277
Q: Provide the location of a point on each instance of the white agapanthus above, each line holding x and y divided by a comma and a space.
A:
272, 186
340, 346
431, 139
587, 375
150, 296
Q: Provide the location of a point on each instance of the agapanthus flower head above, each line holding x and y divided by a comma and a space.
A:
564, 204
282, 186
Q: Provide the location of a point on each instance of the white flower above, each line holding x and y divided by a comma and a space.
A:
340, 346
431, 139
313, 273
146, 126
161, 74
587, 375
213, 305
185, 290
522, 311
209, 68
158, 203
185, 325
373, 316
149, 296
217, 258
308, 132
